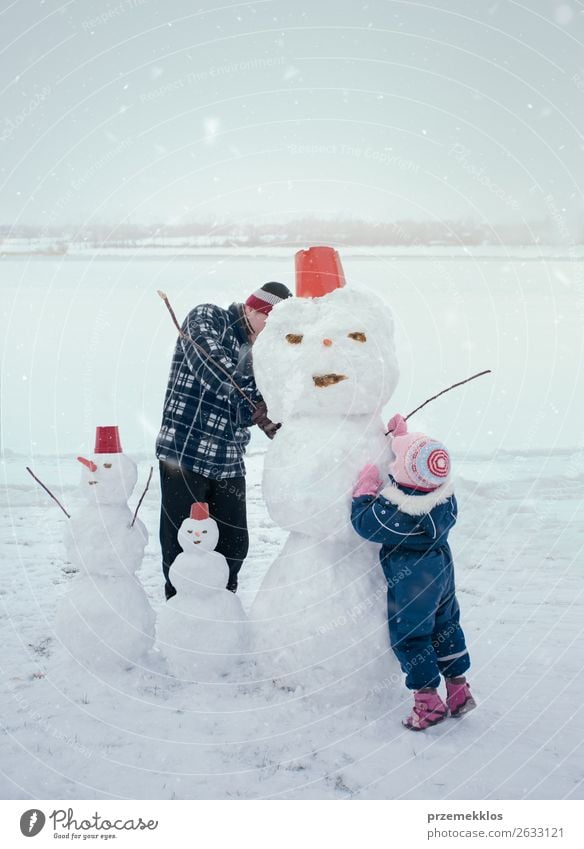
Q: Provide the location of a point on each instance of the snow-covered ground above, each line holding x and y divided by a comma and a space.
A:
88, 343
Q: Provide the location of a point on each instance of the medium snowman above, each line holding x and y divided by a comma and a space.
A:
326, 366
202, 629
105, 620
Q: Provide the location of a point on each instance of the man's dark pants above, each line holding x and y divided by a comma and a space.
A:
180, 488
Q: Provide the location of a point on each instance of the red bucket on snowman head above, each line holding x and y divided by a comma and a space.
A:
107, 440
199, 511
318, 272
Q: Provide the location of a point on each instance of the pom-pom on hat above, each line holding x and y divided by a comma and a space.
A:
266, 298
107, 440
419, 461
199, 511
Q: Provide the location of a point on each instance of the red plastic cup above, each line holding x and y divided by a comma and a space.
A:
199, 510
107, 440
318, 272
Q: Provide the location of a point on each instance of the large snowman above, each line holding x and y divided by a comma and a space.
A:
326, 366
105, 620
201, 630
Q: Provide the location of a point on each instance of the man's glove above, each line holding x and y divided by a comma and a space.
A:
260, 418
368, 482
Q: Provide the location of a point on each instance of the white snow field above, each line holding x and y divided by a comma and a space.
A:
88, 342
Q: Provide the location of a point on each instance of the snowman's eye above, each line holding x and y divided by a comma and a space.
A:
204, 532
107, 465
358, 337
189, 532
294, 338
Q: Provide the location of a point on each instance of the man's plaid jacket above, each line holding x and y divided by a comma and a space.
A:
205, 419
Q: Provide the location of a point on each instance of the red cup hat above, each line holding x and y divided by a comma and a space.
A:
107, 440
318, 272
200, 511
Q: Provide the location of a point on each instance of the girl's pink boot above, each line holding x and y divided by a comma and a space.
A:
429, 709
458, 697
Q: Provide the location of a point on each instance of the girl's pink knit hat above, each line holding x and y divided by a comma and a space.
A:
419, 461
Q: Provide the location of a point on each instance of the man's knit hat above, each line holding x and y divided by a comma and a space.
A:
266, 298
419, 461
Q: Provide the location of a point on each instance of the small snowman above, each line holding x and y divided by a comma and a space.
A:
202, 629
105, 620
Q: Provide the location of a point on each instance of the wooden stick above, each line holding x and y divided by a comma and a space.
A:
454, 385
142, 496
46, 489
201, 350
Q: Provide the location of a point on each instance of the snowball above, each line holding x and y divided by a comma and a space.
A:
201, 630
108, 478
327, 356
106, 623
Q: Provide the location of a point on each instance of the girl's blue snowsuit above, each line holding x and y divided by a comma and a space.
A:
423, 611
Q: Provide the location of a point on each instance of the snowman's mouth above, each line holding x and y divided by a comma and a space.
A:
91, 483
196, 541
328, 379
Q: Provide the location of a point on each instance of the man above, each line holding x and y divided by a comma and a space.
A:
205, 423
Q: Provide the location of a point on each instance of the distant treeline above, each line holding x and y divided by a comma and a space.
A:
337, 231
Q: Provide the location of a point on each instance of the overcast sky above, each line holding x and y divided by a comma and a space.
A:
164, 110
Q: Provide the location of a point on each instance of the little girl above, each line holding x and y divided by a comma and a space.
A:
411, 518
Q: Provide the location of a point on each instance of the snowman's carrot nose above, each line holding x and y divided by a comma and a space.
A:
327, 342
88, 463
